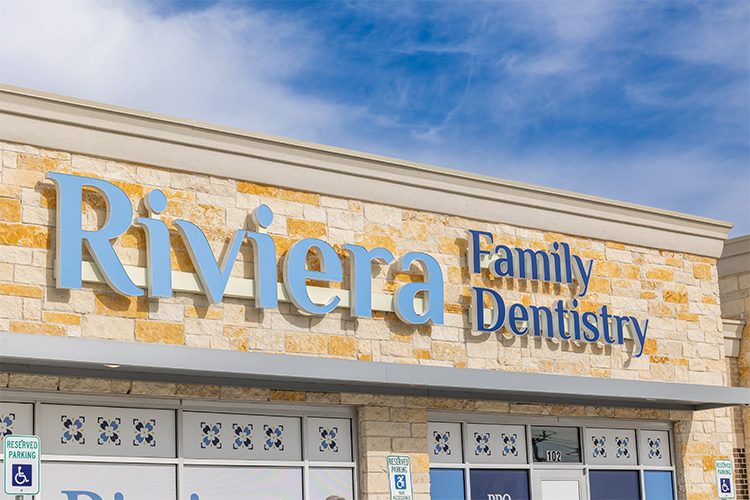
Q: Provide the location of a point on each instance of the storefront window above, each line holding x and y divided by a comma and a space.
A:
242, 483
555, 444
614, 485
499, 484
447, 484
658, 485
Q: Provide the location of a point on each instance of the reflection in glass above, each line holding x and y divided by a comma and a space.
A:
555, 444
499, 484
658, 485
327, 481
447, 484
615, 485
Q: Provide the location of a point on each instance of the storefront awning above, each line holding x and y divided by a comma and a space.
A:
78, 357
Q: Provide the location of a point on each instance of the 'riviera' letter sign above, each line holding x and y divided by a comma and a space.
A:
415, 303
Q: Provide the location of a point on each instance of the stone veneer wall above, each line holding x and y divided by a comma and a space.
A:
678, 293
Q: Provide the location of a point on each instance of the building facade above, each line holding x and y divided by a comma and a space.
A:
196, 312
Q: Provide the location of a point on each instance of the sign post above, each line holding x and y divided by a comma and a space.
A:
724, 479
21, 465
399, 477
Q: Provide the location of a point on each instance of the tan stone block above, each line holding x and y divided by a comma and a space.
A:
342, 346
37, 328
448, 351
159, 332
660, 273
702, 271
25, 235
648, 295
198, 391
452, 246
409, 445
245, 393
414, 230
10, 210
76, 384
28, 381
599, 285
4, 377
20, 290
113, 304
305, 229
370, 241
153, 388
238, 337
9, 191
312, 343
329, 398
688, 317
293, 396
299, 196
108, 327
422, 354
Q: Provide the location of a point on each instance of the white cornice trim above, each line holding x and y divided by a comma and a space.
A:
118, 133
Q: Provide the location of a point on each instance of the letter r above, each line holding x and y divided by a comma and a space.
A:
70, 234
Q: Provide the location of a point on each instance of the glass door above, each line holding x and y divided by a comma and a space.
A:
558, 484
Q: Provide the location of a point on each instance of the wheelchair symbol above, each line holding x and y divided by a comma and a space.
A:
726, 486
400, 481
22, 476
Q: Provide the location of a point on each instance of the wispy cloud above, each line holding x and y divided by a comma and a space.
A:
647, 102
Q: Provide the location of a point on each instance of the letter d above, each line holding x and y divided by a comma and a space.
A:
74, 495
477, 310
70, 235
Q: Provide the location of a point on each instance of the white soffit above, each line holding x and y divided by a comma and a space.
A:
94, 129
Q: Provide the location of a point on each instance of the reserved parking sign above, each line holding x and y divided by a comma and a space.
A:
724, 479
399, 477
21, 467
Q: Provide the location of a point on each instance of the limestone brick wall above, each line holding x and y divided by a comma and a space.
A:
398, 424
677, 293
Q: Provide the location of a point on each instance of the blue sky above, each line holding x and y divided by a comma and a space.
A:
643, 101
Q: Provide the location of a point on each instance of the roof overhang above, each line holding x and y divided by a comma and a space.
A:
77, 357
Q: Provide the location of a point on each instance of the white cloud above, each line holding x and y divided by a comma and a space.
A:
224, 64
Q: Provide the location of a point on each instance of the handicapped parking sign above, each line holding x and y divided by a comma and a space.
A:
21, 465
21, 475
399, 477
724, 479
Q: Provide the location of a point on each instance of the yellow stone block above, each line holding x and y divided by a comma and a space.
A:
659, 309
660, 273
203, 312
673, 261
37, 328
250, 188
451, 308
64, 318
688, 317
599, 285
282, 243
607, 269
237, 336
21, 290
134, 237
134, 191
299, 197
365, 357
10, 210
709, 299
675, 297
452, 246
630, 272
342, 346
648, 295
702, 271
612, 244
311, 343
298, 228
25, 235
160, 332
659, 359
422, 354
600, 372
39, 164
112, 304
370, 241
